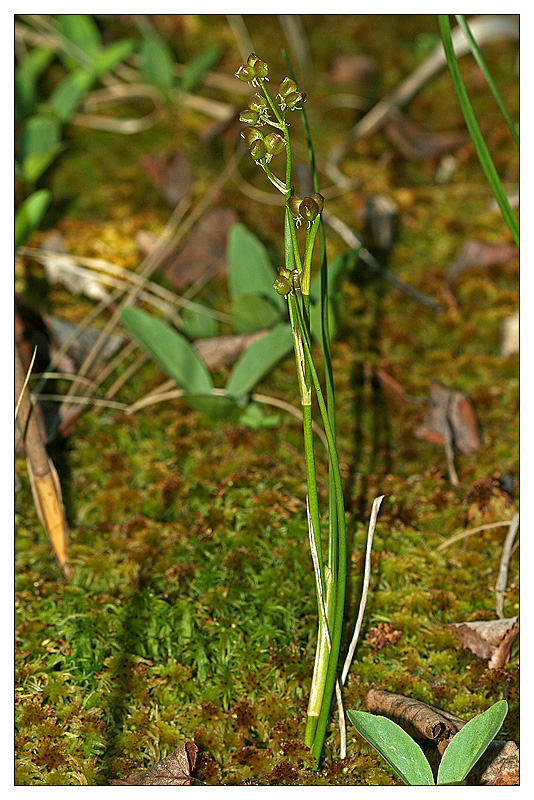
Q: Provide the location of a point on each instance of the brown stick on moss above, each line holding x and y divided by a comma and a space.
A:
44, 480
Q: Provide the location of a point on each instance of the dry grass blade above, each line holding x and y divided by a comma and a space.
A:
365, 588
502, 578
465, 534
44, 481
26, 379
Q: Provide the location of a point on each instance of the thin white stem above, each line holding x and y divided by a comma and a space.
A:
500, 586
365, 588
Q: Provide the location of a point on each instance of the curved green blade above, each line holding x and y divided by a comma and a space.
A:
395, 746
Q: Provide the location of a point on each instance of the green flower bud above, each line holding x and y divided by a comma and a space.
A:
295, 100
319, 199
245, 73
293, 204
274, 143
250, 135
309, 209
249, 116
257, 103
258, 150
282, 285
286, 87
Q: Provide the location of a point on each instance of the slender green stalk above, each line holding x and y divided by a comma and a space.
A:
474, 130
294, 281
462, 22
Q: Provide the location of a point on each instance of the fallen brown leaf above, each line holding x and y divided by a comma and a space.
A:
174, 770
171, 173
222, 350
203, 254
450, 411
480, 255
488, 639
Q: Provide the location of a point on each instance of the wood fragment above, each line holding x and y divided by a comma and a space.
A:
488, 639
418, 719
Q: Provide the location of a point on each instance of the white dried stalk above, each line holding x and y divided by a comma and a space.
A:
366, 578
500, 586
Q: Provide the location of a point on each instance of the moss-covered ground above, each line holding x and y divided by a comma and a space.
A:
190, 613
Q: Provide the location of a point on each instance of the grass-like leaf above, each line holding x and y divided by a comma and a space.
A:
170, 349
474, 130
470, 743
462, 22
395, 746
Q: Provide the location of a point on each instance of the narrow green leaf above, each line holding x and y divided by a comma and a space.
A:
395, 746
82, 31
34, 166
26, 75
474, 131
252, 312
30, 214
108, 58
40, 135
259, 359
197, 67
470, 743
249, 267
462, 22
171, 350
70, 92
157, 62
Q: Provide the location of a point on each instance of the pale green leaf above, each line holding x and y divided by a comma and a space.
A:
470, 743
395, 746
249, 267
259, 359
171, 350
30, 214
157, 62
252, 312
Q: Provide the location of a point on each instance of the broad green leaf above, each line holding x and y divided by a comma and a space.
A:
40, 135
395, 746
30, 214
26, 75
198, 326
252, 312
470, 743
108, 58
157, 62
171, 350
259, 359
249, 267
70, 92
196, 68
34, 166
214, 406
82, 31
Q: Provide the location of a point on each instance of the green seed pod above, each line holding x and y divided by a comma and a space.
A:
251, 60
249, 116
258, 150
309, 209
250, 135
245, 73
274, 143
295, 100
286, 87
293, 204
284, 272
261, 69
319, 199
282, 285
257, 103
